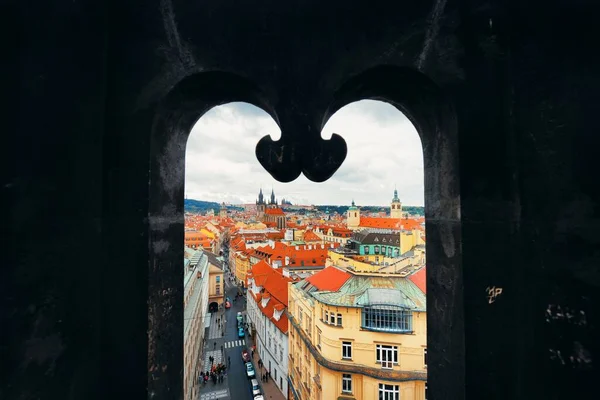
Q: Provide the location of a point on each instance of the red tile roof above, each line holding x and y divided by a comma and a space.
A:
419, 278
391, 223
275, 287
274, 211
330, 279
310, 236
273, 283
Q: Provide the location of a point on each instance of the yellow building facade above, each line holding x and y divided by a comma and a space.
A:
216, 286
242, 264
363, 340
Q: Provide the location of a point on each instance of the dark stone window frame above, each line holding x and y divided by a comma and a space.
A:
413, 94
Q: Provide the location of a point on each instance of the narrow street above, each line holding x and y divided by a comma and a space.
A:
225, 346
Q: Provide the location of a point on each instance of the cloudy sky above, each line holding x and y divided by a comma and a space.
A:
384, 150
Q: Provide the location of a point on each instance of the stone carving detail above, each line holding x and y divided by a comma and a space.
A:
293, 154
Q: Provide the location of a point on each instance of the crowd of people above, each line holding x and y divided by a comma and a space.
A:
217, 373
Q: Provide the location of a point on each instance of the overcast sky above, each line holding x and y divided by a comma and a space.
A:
384, 150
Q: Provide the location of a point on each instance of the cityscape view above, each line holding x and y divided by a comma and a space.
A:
305, 290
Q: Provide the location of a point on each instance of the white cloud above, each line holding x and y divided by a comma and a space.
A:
384, 150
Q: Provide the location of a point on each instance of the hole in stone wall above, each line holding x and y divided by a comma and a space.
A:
247, 236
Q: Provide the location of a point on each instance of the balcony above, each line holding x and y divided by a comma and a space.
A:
355, 368
306, 387
317, 380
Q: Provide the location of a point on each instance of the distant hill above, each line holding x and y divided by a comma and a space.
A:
199, 206
415, 210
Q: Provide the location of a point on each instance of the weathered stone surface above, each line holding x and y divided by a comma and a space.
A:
504, 96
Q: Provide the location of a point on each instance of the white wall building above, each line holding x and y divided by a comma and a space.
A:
266, 313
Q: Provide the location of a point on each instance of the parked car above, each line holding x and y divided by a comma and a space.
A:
259, 397
245, 355
255, 387
250, 370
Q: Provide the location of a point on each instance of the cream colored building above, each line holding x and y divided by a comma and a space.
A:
357, 336
216, 286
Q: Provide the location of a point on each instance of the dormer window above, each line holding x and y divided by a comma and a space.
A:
264, 302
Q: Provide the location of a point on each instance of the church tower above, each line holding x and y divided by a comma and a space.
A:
353, 216
396, 207
273, 202
260, 206
223, 211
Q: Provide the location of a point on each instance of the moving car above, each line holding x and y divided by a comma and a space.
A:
245, 356
255, 387
250, 370
241, 333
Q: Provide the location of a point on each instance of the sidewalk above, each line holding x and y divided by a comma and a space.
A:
270, 389
219, 390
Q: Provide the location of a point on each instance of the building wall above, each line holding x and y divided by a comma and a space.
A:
332, 238
365, 387
271, 345
242, 263
298, 235
353, 218
328, 340
394, 264
217, 286
232, 261
197, 288
396, 210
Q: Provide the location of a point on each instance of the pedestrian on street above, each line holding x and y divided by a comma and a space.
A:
221, 348
214, 345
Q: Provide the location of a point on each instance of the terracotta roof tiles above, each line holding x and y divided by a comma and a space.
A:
419, 278
330, 279
275, 288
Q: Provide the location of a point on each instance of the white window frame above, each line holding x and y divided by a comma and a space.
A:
346, 348
391, 355
346, 383
338, 320
425, 357
389, 392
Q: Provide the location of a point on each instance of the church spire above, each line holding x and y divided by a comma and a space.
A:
260, 197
